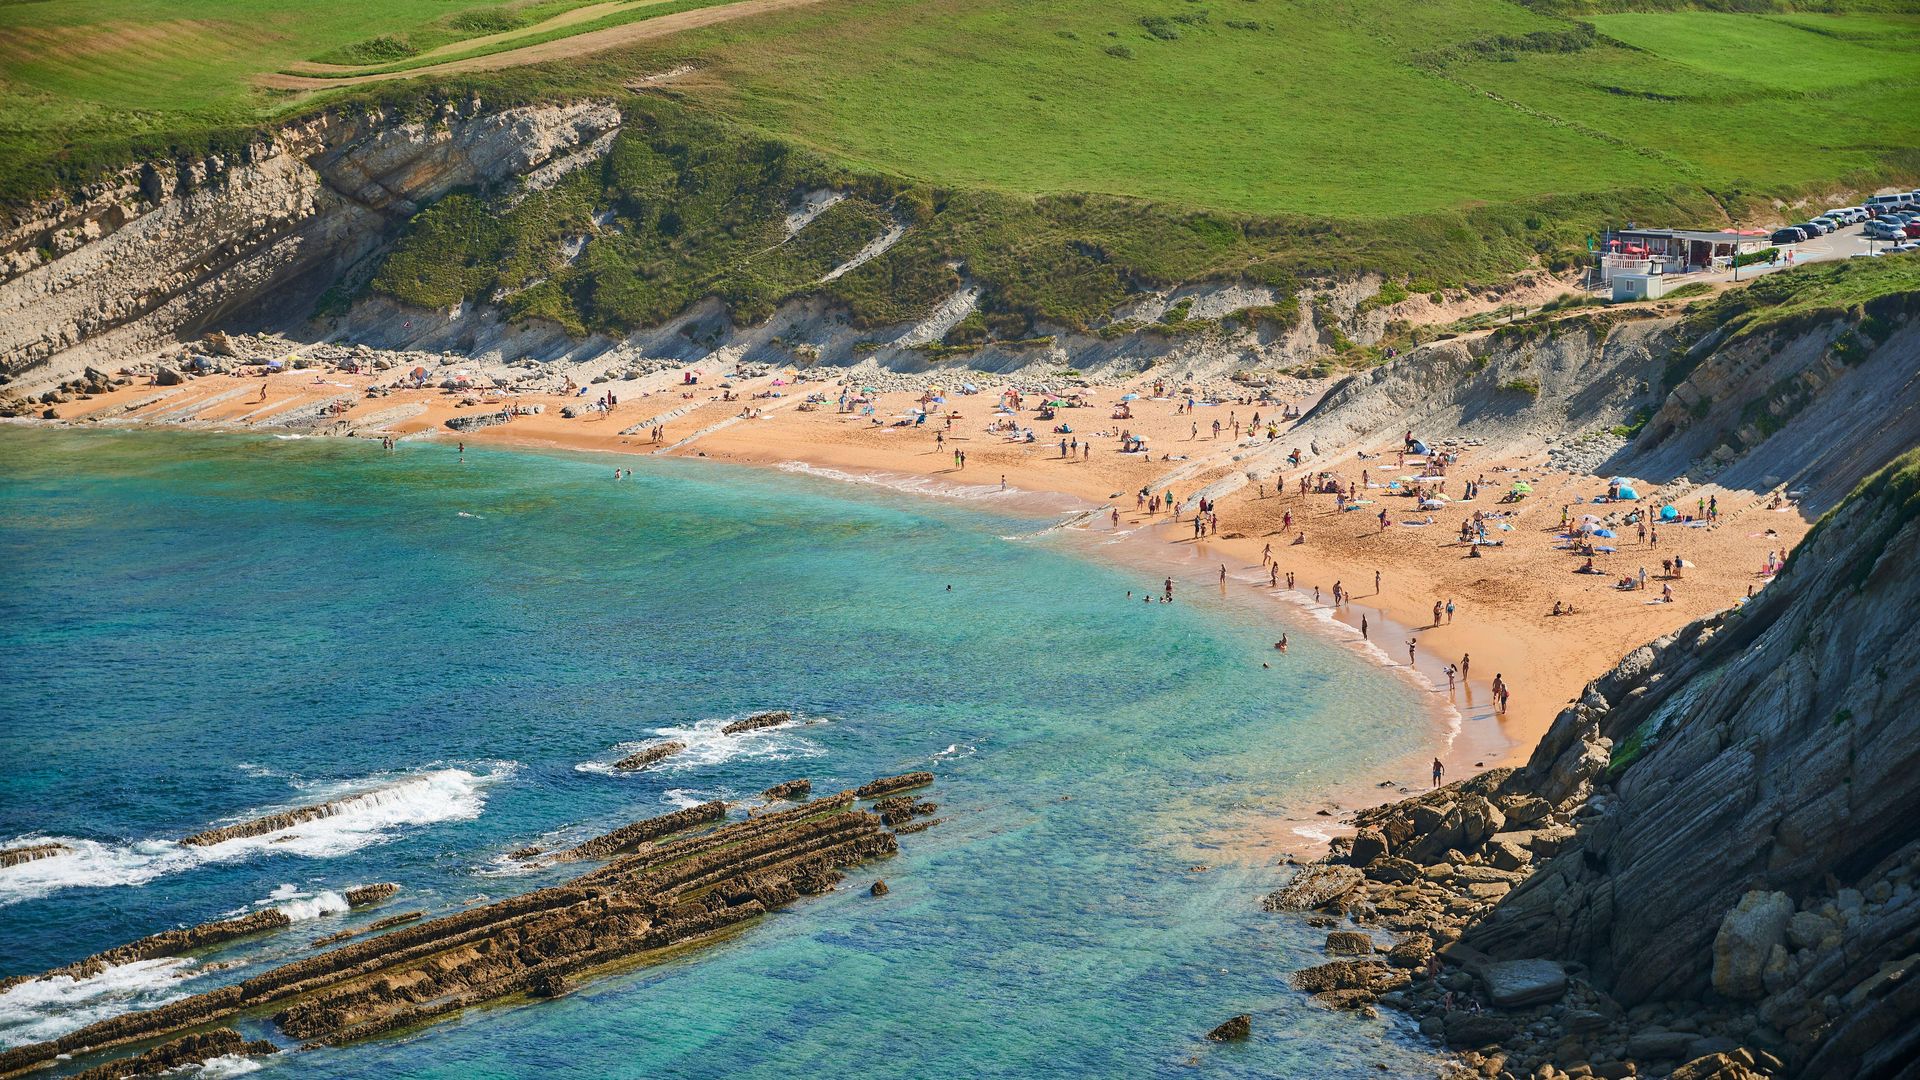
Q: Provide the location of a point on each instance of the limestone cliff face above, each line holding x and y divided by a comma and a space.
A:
1813, 404
164, 250
1746, 800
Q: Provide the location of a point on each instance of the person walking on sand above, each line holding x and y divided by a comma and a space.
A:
1466, 661
1003, 481
1449, 610
1266, 555
1499, 693
1116, 517
1376, 583
1436, 613
1439, 771
1450, 677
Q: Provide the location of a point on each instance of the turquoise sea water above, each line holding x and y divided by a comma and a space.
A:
196, 629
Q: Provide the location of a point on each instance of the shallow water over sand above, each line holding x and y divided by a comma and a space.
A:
201, 628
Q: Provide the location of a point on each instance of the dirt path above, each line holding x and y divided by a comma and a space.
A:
593, 41
575, 17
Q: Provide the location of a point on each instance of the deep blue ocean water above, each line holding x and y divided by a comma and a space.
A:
195, 629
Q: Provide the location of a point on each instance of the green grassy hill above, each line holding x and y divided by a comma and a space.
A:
1067, 153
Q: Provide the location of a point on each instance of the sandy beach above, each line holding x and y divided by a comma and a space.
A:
1502, 623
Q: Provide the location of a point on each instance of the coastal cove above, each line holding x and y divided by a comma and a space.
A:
225, 625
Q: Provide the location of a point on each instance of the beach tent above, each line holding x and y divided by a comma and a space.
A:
1418, 447
1668, 513
1130, 397
1608, 533
1521, 487
969, 388
1431, 504
1625, 491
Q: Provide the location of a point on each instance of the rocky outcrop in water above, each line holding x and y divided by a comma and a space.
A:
888, 785
757, 721
361, 896
373, 927
900, 809
628, 839
664, 894
194, 1049
648, 756
791, 791
32, 853
1236, 1027
168, 943
274, 822
1712, 857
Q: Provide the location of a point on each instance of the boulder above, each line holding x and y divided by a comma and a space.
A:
1516, 984
1465, 1029
1349, 943
1659, 1044
879, 888
1316, 887
1369, 975
1411, 952
1748, 934
166, 376
1238, 1027
1368, 845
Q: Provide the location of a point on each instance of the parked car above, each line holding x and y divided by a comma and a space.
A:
1890, 202
1907, 248
1882, 229
1912, 230
1789, 235
1813, 229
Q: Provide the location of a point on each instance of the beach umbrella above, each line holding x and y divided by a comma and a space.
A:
1589, 517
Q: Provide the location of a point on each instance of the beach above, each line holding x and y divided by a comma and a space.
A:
1502, 623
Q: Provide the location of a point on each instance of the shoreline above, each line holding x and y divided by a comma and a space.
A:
1545, 662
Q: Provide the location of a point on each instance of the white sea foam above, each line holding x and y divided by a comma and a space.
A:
954, 752
707, 746
367, 812
228, 1065
302, 908
43, 1009
917, 485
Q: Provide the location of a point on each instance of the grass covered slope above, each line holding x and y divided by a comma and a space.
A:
1345, 109
1356, 109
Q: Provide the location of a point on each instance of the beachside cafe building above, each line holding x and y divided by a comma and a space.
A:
1674, 251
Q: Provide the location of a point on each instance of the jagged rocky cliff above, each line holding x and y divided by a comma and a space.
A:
165, 250
1714, 854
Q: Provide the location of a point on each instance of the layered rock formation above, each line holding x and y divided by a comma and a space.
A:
195, 1049
665, 887
649, 755
164, 250
757, 721
1714, 854
31, 853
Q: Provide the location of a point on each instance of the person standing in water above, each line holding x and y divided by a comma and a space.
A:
1167, 596
1410, 647
1466, 661
1363, 629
